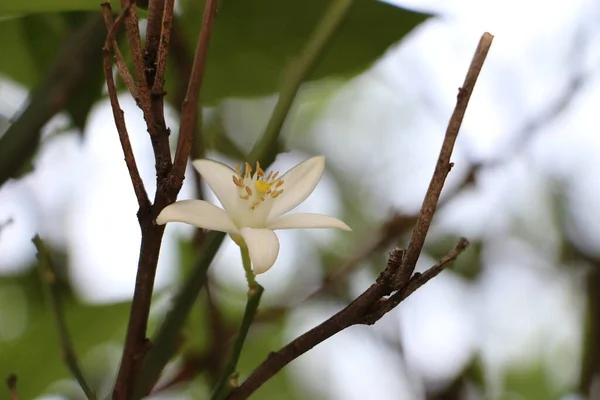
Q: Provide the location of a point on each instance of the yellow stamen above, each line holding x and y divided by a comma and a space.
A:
276, 193
268, 178
238, 170
238, 181
279, 183
248, 190
275, 176
245, 197
248, 171
259, 172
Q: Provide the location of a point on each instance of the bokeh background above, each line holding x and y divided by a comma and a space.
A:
516, 317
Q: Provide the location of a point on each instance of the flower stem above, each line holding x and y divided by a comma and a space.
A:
248, 268
228, 379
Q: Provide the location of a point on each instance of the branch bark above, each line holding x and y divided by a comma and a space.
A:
397, 278
443, 164
368, 308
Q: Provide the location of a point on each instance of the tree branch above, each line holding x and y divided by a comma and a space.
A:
190, 105
119, 59
443, 165
165, 340
397, 277
368, 308
48, 274
136, 179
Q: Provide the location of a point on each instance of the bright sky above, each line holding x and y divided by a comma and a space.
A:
403, 104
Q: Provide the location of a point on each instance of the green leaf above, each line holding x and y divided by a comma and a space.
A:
253, 41
17, 7
34, 355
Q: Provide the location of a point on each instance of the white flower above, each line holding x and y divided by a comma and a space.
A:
254, 206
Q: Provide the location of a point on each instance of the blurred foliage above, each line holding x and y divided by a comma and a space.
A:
35, 355
532, 383
253, 42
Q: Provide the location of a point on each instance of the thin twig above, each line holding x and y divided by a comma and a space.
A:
135, 44
11, 383
153, 111
228, 380
119, 59
371, 305
190, 106
163, 47
136, 179
416, 281
297, 71
443, 165
48, 274
364, 310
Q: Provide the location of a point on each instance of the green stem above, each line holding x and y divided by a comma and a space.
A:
298, 70
255, 291
49, 276
248, 268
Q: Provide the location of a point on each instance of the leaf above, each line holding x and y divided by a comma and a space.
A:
253, 41
34, 356
17, 7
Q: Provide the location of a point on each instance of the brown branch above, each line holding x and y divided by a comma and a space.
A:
169, 182
119, 59
163, 47
368, 308
136, 342
152, 108
397, 277
156, 11
11, 382
136, 179
190, 103
443, 165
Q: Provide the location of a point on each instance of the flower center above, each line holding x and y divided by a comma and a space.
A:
257, 189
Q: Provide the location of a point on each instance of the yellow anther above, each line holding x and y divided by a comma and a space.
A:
238, 170
279, 183
238, 181
268, 178
248, 190
244, 197
259, 172
262, 186
248, 171
275, 176
276, 193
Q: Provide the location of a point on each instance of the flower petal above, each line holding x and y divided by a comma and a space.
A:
219, 178
306, 220
298, 183
263, 247
199, 213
